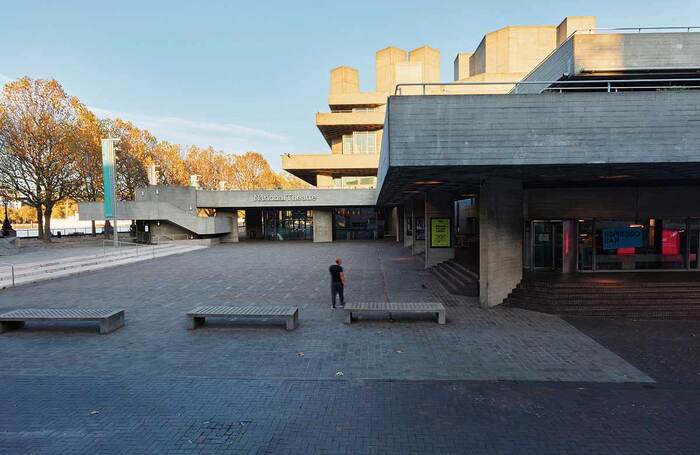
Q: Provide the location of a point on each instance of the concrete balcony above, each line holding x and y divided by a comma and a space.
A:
306, 167
362, 99
335, 124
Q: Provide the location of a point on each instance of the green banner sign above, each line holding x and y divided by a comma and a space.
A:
108, 177
440, 233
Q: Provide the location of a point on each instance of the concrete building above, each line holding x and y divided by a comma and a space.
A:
589, 164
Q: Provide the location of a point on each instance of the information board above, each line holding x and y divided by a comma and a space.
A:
440, 233
623, 237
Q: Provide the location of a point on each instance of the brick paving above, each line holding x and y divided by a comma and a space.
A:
50, 415
490, 381
476, 344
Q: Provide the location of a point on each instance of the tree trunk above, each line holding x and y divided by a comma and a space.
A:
94, 229
47, 223
40, 222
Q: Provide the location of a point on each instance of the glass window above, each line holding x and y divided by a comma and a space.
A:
637, 245
355, 224
360, 142
585, 244
693, 243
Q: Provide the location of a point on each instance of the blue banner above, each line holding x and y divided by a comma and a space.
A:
624, 237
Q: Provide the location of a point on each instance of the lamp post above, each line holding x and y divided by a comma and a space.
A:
7, 230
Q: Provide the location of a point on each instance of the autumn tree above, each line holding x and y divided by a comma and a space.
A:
134, 147
209, 165
88, 148
171, 167
37, 131
251, 171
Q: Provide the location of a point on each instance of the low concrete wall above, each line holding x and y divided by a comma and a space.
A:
500, 239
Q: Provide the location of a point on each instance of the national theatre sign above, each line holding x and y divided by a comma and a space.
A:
282, 197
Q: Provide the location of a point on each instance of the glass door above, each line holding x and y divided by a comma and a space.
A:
547, 241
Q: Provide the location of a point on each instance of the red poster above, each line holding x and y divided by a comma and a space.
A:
627, 251
670, 242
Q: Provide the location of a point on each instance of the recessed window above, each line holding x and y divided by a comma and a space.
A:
360, 142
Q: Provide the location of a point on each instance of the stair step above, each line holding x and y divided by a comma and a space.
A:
88, 266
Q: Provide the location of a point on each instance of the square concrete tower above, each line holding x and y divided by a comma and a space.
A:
461, 66
385, 66
429, 58
570, 24
345, 80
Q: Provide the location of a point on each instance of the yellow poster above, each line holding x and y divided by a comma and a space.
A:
440, 233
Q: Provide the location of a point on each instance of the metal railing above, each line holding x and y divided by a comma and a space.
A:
157, 239
143, 247
610, 85
597, 31
34, 232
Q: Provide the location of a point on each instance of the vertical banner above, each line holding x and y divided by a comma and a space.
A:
108, 177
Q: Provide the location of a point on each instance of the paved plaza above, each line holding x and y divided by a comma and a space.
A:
501, 380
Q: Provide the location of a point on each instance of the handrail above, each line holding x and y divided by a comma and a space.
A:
397, 92
119, 244
679, 29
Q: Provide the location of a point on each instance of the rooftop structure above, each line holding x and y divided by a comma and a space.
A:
353, 127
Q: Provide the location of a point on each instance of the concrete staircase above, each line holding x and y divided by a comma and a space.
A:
652, 299
456, 278
39, 271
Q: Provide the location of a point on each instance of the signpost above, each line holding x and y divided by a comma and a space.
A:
440, 233
109, 185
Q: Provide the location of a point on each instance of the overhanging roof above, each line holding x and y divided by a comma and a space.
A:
452, 142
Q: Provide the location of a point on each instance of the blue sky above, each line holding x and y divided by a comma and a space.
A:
250, 75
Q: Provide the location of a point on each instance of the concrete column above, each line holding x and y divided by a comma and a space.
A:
418, 222
323, 225
438, 205
398, 228
232, 215
324, 181
500, 239
408, 220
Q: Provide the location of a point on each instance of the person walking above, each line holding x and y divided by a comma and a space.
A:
337, 281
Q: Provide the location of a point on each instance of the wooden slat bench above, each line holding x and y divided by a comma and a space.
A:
435, 308
196, 317
110, 320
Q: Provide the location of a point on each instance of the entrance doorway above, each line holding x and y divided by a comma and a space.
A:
547, 245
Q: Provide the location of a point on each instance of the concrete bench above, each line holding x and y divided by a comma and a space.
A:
196, 317
435, 308
110, 320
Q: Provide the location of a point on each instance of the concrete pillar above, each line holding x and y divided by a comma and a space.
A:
438, 206
323, 225
418, 225
324, 181
399, 223
500, 239
232, 215
408, 224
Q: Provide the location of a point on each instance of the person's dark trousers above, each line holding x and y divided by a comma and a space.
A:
337, 288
